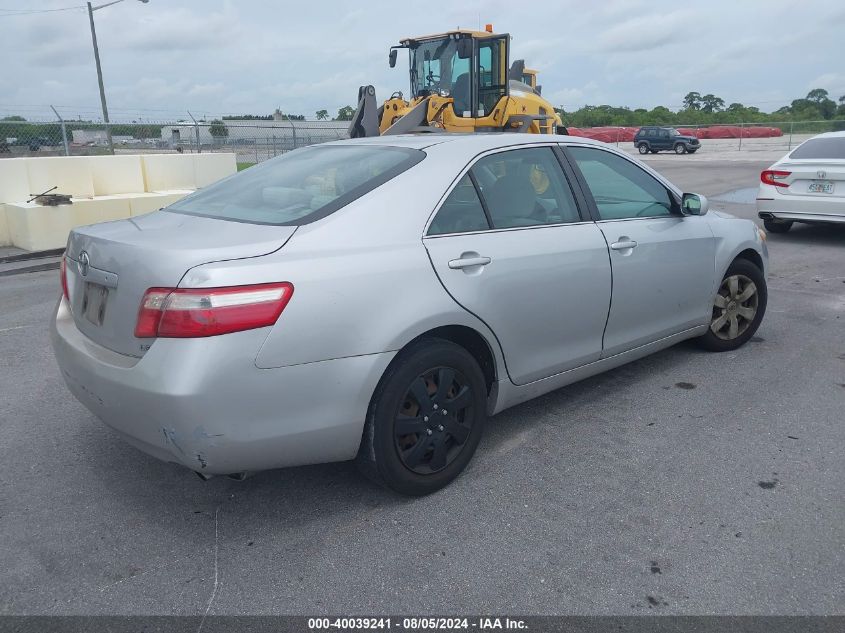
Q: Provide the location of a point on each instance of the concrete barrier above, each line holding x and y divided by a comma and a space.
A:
117, 175
14, 185
69, 174
34, 227
169, 172
209, 168
4, 227
103, 188
14, 181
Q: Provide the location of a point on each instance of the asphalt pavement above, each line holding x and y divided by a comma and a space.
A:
683, 483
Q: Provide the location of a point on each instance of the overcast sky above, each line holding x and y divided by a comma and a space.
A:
252, 56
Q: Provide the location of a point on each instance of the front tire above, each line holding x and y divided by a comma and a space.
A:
426, 418
773, 226
643, 148
738, 307
680, 148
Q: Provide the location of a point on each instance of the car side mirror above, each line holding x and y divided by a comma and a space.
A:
391, 58
694, 204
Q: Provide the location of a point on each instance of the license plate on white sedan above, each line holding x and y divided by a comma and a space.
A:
822, 186
94, 302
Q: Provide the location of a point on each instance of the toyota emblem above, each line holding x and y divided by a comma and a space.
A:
84, 263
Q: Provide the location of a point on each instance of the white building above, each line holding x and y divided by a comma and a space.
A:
279, 134
97, 137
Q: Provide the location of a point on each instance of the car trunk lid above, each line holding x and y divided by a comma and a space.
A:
824, 179
111, 265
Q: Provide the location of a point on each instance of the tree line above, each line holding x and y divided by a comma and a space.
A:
706, 109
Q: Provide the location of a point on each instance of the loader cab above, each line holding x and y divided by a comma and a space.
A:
469, 66
529, 78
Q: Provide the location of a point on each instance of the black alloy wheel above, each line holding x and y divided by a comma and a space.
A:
426, 418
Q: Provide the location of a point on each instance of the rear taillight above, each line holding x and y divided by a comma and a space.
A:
197, 312
774, 177
63, 273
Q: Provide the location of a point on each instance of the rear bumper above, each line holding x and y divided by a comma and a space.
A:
802, 217
204, 404
773, 204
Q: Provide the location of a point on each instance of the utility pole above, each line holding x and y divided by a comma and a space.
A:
100, 79
91, 10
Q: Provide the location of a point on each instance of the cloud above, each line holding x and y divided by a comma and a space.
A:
833, 82
180, 29
169, 56
647, 32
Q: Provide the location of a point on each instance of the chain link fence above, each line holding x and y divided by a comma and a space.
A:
727, 137
252, 141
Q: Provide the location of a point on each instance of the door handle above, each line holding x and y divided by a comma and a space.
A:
466, 262
623, 245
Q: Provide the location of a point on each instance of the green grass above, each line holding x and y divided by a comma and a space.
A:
242, 166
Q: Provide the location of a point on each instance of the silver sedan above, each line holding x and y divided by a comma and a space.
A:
377, 299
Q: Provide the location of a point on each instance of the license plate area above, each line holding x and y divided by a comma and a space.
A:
820, 186
94, 299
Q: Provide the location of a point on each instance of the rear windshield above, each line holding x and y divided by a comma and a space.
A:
829, 147
301, 186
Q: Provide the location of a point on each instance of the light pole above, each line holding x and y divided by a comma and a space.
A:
91, 10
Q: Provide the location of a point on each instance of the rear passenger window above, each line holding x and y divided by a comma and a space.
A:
461, 212
525, 187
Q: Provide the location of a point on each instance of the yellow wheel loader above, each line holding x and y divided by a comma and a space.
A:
460, 82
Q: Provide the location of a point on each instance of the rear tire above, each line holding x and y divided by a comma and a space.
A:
773, 226
425, 419
738, 308
643, 148
680, 148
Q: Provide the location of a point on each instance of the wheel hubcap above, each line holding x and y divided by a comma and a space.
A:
434, 420
734, 307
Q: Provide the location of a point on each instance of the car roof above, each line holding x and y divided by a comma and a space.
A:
478, 142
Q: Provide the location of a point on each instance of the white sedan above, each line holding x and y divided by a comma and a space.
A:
807, 185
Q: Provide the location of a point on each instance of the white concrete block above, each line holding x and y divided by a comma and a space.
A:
140, 204
70, 174
14, 182
100, 209
35, 228
168, 171
210, 168
116, 174
5, 240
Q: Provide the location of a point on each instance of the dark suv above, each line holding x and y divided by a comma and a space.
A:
653, 139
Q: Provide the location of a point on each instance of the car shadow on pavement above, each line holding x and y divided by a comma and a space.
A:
298, 496
811, 235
